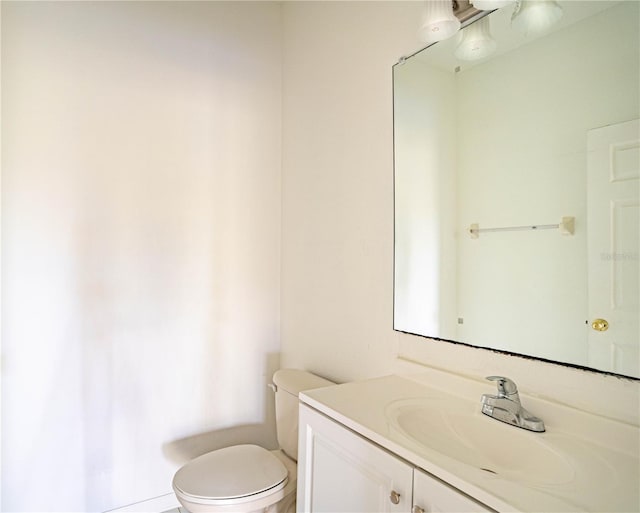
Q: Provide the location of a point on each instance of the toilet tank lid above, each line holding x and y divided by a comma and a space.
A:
295, 381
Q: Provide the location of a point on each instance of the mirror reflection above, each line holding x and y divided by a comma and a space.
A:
517, 197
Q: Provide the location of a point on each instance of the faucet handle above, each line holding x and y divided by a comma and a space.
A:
506, 387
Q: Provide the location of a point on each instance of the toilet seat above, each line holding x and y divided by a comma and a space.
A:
231, 476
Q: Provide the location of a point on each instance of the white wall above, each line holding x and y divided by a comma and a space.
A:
337, 183
337, 249
141, 240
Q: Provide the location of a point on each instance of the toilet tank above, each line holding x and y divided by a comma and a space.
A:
289, 383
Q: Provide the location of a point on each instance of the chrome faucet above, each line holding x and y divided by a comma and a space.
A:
506, 406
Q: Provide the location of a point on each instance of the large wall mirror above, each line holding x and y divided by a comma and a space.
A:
517, 187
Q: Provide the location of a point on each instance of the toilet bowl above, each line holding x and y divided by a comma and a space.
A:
249, 478
240, 478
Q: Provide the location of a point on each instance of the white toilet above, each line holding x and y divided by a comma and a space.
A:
249, 478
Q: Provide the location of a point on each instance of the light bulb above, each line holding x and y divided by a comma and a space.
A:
476, 41
439, 21
533, 17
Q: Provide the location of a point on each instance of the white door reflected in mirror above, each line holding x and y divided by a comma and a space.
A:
613, 241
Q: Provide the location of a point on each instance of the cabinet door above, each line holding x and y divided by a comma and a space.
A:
430, 495
339, 471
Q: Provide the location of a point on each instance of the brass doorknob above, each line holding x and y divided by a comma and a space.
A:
394, 497
600, 325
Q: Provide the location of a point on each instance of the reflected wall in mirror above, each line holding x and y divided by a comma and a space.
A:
544, 128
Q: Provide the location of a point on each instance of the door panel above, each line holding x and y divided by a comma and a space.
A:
613, 242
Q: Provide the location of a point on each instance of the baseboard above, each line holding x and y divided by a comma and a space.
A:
155, 505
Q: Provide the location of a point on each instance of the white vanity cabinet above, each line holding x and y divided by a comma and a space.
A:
340, 471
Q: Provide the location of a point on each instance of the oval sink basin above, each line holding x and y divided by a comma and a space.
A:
466, 435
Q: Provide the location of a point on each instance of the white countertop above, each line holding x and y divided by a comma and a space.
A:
603, 454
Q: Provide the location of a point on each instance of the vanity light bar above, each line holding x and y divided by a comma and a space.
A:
566, 227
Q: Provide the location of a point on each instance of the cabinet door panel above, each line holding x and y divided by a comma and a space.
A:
340, 472
434, 496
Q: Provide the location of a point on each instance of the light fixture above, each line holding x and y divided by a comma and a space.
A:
490, 5
439, 21
476, 41
533, 17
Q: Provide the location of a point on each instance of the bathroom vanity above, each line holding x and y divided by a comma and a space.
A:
420, 444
